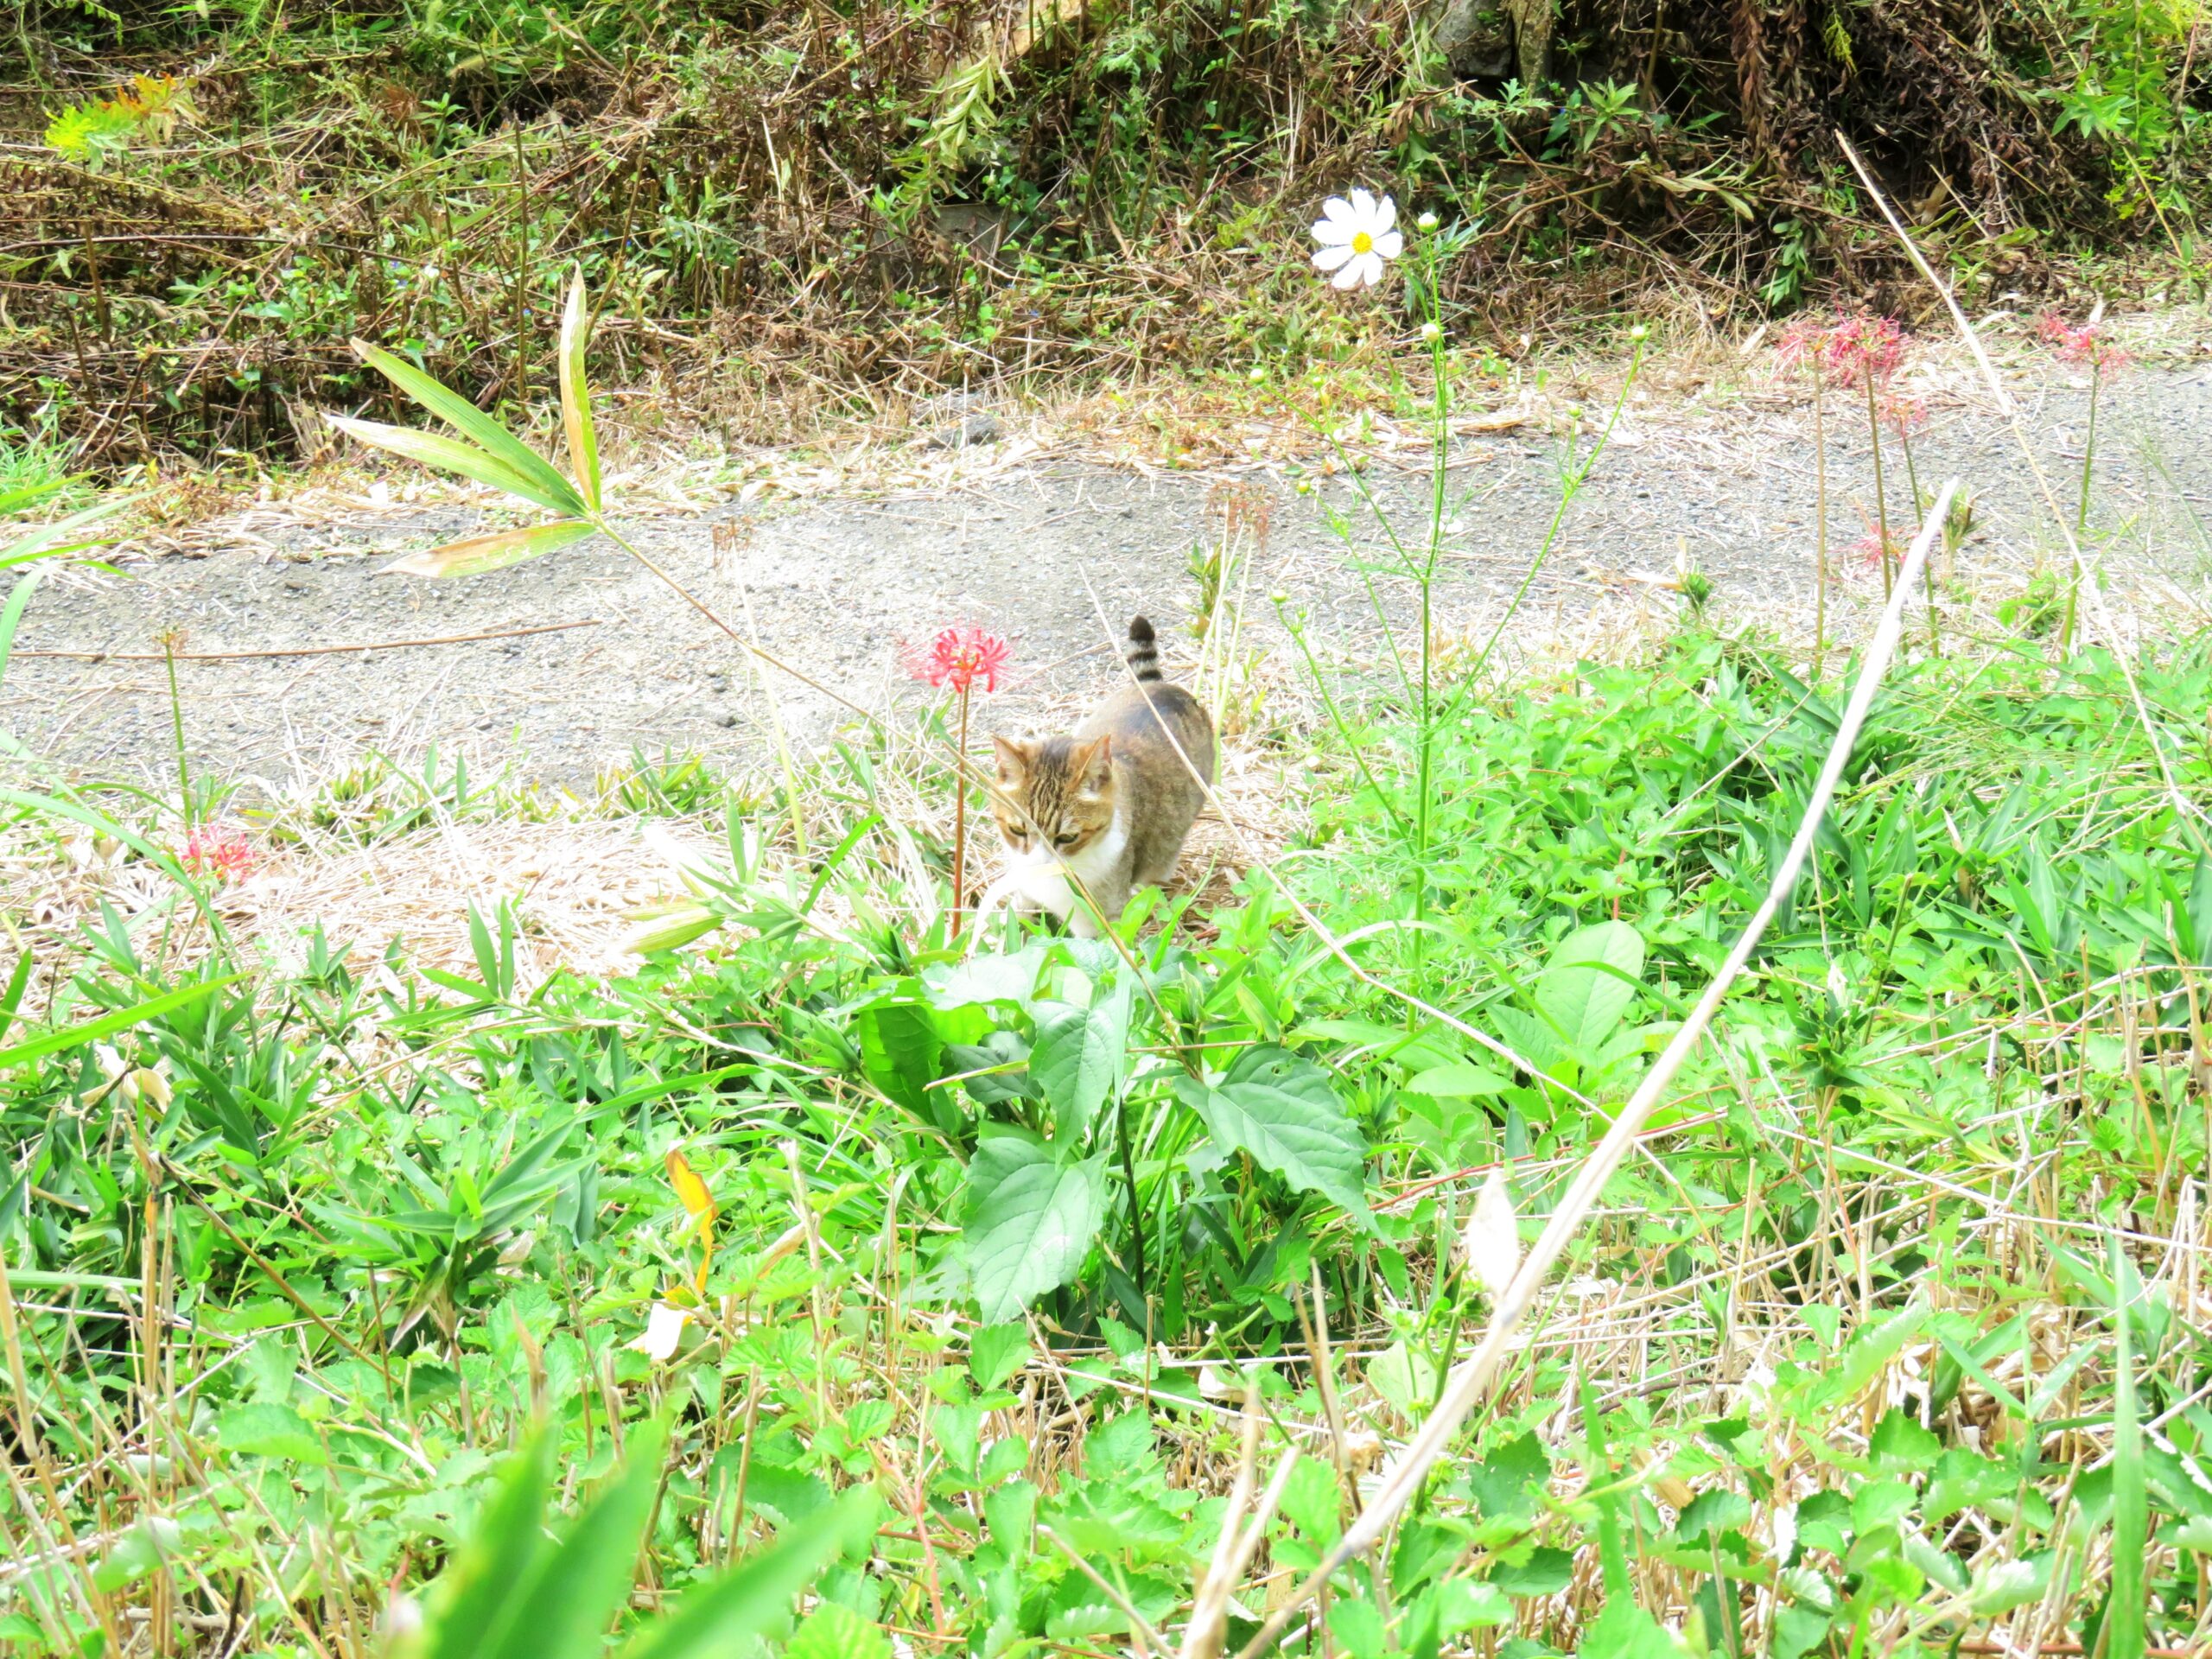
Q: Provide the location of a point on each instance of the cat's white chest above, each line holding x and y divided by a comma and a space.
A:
1043, 879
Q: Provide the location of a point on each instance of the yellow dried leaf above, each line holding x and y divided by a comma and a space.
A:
688, 1187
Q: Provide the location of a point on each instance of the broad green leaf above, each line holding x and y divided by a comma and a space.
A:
2003, 1586
1282, 1112
270, 1431
1875, 1346
713, 1619
996, 1352
450, 456
575, 394
489, 1570
1624, 1631
902, 1053
1588, 983
562, 1608
108, 1024
473, 424
1546, 1573
1077, 1059
1028, 1222
1458, 1080
1406, 1378
477, 554
834, 1632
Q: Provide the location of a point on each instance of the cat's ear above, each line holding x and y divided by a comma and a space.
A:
1093, 766
1014, 758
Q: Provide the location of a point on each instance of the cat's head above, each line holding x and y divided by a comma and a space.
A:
1055, 795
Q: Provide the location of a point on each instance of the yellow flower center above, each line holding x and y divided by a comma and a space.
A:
1362, 243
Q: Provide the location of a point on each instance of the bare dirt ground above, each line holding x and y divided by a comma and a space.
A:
1007, 532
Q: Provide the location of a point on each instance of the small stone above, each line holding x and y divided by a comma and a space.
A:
982, 427
725, 721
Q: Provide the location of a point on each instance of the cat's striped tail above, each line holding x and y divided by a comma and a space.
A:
1143, 654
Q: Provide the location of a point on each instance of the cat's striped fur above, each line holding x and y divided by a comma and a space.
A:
1106, 809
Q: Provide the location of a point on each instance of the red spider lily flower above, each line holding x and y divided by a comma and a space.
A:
1865, 348
2088, 343
959, 659
1848, 351
216, 851
1903, 413
1870, 551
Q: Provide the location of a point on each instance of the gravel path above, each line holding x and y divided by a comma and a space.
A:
835, 583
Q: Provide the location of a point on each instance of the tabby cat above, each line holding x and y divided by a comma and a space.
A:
1105, 809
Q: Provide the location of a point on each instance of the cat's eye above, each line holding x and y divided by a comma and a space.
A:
1064, 841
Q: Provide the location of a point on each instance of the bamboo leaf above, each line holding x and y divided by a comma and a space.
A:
473, 424
477, 554
108, 1024
576, 394
451, 456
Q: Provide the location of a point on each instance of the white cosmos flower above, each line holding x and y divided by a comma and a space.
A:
663, 1329
1357, 237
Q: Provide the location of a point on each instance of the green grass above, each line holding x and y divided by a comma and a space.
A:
1841, 1367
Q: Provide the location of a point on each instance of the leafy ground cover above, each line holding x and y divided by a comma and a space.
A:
972, 1285
835, 215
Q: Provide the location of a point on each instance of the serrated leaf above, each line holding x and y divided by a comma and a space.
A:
1077, 1059
1282, 1111
576, 394
451, 456
1028, 1222
1458, 1080
474, 555
270, 1431
996, 1352
1588, 983
832, 1631
473, 424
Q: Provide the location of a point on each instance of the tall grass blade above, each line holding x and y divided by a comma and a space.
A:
477, 554
575, 394
2131, 1519
451, 456
473, 424
108, 1024
742, 1603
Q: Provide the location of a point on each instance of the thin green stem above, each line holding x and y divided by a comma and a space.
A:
1571, 483
2082, 509
1927, 569
1296, 633
177, 731
960, 830
1440, 481
1820, 521
1881, 492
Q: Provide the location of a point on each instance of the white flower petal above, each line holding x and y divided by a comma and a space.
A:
1337, 209
1354, 273
1330, 258
1387, 212
1491, 1243
1362, 203
1390, 244
1328, 232
663, 1329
